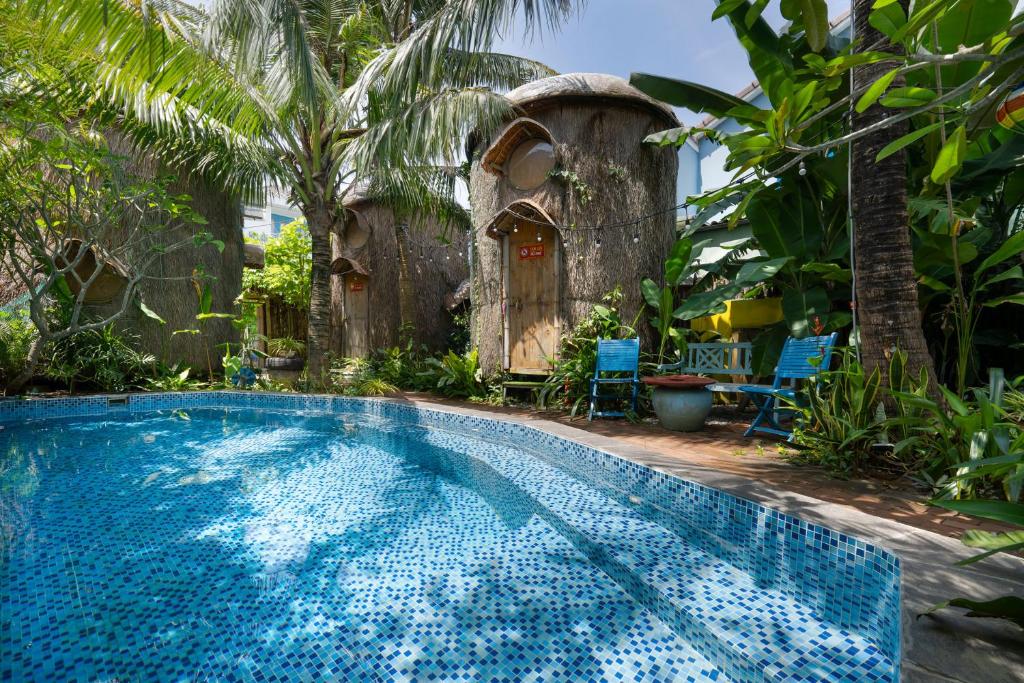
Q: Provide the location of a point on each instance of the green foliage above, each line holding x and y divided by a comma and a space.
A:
16, 335
286, 347
173, 378
570, 379
1010, 607
790, 176
844, 424
618, 173
101, 359
680, 266
457, 376
579, 187
287, 266
693, 96
459, 335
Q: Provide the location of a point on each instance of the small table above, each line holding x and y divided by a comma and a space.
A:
682, 402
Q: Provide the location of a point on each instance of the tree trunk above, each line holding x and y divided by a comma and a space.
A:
320, 222
337, 301
888, 313
406, 293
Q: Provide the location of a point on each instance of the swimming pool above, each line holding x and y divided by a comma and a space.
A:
235, 536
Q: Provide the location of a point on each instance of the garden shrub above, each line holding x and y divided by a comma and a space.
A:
16, 335
574, 368
101, 359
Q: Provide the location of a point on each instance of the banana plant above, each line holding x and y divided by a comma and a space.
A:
680, 266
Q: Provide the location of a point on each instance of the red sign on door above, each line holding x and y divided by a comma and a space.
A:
528, 251
357, 286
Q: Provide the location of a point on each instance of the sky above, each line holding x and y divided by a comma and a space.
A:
673, 38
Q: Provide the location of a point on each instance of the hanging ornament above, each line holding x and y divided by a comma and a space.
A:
1010, 114
803, 169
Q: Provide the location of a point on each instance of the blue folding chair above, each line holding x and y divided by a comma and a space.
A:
615, 356
795, 363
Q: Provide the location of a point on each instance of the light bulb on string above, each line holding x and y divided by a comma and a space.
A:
636, 234
515, 228
540, 238
803, 169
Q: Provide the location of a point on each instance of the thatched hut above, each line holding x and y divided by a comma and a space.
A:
171, 291
391, 275
170, 288
568, 203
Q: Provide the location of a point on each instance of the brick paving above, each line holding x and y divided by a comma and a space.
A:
723, 447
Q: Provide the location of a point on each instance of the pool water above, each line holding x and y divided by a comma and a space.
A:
217, 543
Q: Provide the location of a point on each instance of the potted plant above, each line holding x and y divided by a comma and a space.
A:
285, 353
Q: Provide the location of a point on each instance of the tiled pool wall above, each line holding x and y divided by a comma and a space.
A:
853, 584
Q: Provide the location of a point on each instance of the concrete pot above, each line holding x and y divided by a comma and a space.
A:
682, 410
682, 402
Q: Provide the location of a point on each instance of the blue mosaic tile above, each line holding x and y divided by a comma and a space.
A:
251, 536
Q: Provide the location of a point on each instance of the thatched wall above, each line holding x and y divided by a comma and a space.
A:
598, 124
431, 276
170, 292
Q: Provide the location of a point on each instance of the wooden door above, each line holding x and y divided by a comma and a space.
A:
356, 340
532, 298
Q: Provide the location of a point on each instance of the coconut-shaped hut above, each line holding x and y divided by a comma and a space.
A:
177, 280
391, 276
568, 204
173, 285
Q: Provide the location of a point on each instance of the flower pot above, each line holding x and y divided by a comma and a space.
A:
682, 402
294, 364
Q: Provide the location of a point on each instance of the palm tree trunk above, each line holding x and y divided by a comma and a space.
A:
406, 292
888, 312
320, 221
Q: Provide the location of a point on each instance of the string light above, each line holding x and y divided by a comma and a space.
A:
515, 228
636, 234
803, 169
540, 237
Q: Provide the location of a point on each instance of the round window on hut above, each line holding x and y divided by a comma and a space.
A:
529, 164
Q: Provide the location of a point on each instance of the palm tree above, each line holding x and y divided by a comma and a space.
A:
889, 316
314, 93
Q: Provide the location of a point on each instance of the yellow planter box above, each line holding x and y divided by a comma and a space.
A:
741, 314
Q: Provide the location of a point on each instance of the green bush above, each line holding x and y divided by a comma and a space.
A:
456, 376
574, 368
16, 335
99, 359
845, 420
288, 262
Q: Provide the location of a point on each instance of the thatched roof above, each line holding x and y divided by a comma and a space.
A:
347, 264
255, 256
519, 210
454, 298
549, 91
356, 195
517, 132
